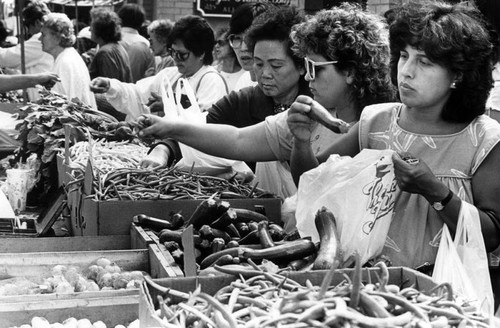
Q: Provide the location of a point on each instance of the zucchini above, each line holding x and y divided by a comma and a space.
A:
264, 236
245, 215
329, 252
289, 251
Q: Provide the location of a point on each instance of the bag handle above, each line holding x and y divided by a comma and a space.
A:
222, 77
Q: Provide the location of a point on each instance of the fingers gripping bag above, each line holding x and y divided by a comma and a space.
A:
183, 104
360, 193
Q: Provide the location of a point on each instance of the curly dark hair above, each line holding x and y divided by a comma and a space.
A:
132, 15
34, 11
455, 37
106, 24
196, 34
276, 24
359, 41
243, 16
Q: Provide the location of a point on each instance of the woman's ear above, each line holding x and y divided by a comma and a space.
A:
349, 76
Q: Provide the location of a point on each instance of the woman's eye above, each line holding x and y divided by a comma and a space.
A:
403, 55
276, 66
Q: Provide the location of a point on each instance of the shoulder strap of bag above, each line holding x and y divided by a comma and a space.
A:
223, 79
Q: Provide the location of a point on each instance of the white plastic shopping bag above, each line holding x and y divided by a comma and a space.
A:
463, 262
359, 191
192, 158
275, 177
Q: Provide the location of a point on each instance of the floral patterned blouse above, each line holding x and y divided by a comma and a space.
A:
415, 231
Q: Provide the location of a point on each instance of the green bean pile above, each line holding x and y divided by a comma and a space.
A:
168, 183
263, 299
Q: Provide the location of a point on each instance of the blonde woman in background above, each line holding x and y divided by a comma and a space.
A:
58, 38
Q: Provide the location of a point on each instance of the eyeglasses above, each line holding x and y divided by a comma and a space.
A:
221, 43
179, 55
235, 40
311, 64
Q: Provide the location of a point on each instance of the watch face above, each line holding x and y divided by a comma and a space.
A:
438, 206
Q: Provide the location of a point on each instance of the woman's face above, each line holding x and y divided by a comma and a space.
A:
158, 47
244, 55
275, 70
330, 86
222, 49
50, 41
421, 83
185, 60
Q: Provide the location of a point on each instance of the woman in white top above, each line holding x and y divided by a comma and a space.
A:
57, 39
225, 59
191, 43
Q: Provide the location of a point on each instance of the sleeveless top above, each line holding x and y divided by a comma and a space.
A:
415, 231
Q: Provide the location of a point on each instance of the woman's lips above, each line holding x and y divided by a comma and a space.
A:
406, 86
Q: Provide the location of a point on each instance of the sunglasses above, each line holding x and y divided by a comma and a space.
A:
179, 55
235, 40
311, 64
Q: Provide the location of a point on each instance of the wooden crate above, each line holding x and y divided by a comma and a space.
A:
141, 237
112, 307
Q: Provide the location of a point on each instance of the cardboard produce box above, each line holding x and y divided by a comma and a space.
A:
115, 217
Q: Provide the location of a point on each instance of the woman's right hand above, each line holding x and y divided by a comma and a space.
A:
157, 158
99, 85
299, 122
155, 126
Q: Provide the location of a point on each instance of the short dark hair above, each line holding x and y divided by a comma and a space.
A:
132, 15
455, 37
196, 34
34, 11
276, 24
243, 16
105, 24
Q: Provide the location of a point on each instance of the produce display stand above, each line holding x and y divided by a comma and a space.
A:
112, 307
401, 276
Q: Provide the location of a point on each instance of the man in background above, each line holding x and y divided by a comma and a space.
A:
140, 55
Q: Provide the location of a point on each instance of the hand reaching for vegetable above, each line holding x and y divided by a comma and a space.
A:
155, 126
299, 122
47, 79
99, 85
157, 158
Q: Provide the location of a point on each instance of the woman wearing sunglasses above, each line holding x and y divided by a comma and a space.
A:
190, 44
359, 77
225, 59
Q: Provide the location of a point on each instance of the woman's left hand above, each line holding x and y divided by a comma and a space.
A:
413, 175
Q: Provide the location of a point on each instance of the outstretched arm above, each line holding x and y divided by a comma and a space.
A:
14, 82
246, 144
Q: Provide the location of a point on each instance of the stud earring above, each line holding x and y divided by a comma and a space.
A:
454, 85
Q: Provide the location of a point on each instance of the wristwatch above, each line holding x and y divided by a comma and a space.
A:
439, 205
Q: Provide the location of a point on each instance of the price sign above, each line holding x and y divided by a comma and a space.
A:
224, 8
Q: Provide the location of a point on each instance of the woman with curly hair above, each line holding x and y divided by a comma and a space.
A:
347, 67
158, 32
57, 39
111, 60
440, 62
